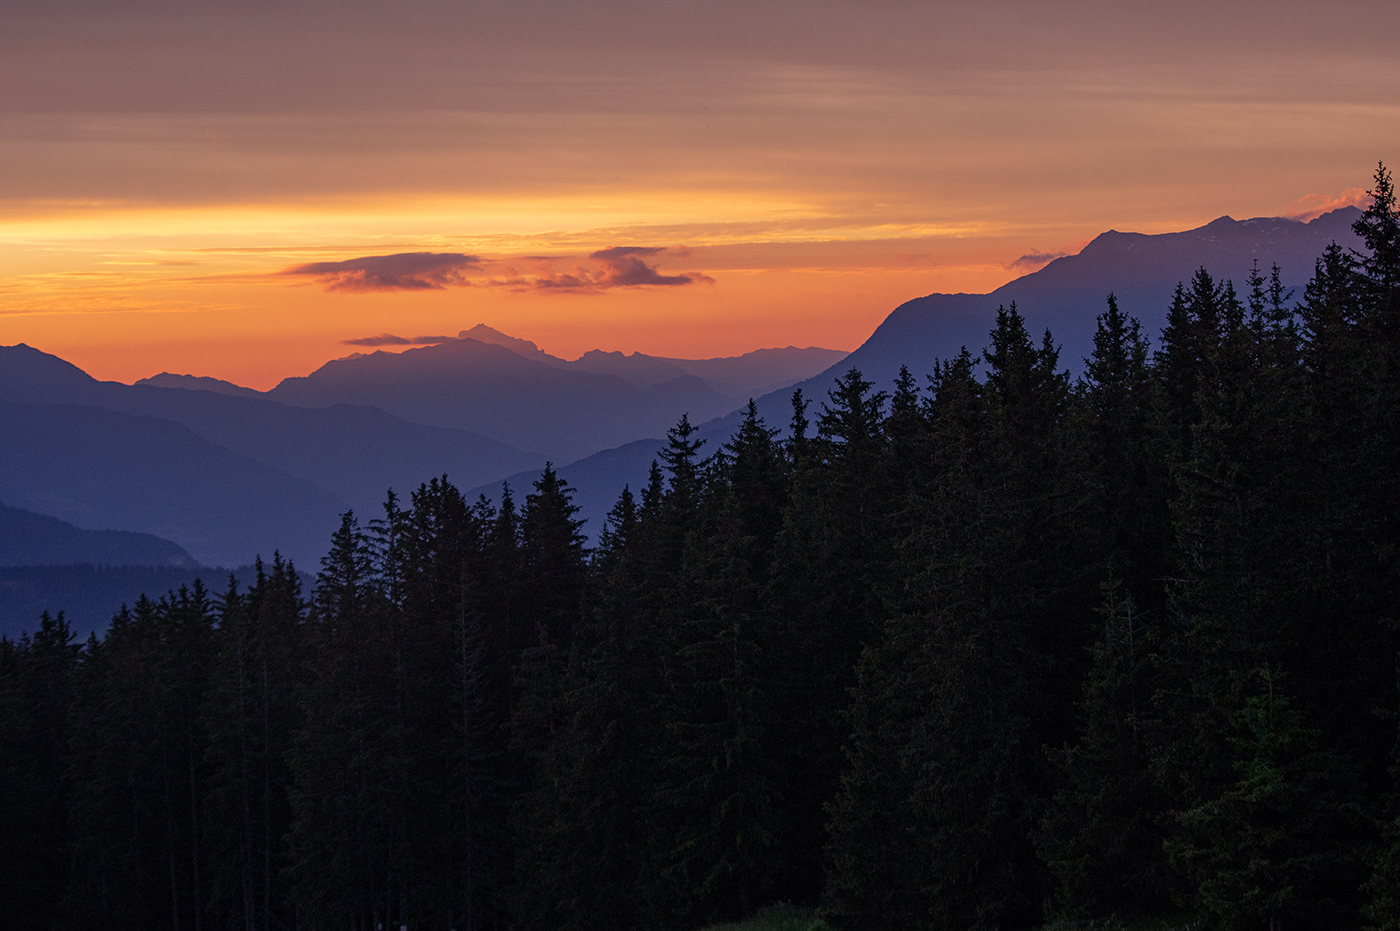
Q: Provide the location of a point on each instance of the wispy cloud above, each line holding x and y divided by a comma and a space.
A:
405, 271
389, 339
1311, 206
1036, 259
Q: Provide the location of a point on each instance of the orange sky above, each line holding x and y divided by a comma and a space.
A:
805, 165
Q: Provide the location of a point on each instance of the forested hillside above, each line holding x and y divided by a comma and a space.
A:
992, 649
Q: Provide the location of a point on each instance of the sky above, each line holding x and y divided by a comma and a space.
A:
242, 189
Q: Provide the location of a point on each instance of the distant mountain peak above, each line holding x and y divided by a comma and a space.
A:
485, 334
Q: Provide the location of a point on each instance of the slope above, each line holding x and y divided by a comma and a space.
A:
30, 539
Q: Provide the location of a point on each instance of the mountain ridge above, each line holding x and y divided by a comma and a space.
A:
1067, 295
31, 539
492, 391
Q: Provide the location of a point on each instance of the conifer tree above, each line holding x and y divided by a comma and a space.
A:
37, 691
251, 715
931, 825
589, 850
1379, 228
1122, 459
138, 771
347, 840
1277, 847
1101, 836
716, 797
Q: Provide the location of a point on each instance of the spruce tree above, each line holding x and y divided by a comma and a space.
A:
1101, 835
250, 716
38, 679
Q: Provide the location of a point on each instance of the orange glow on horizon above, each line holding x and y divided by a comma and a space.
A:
805, 167
125, 293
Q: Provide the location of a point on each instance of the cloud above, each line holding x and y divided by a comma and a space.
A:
622, 252
623, 268
405, 271
1036, 259
615, 267
1311, 206
389, 339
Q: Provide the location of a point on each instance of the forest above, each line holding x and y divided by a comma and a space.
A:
993, 649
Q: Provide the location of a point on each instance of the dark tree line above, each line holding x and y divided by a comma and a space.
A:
979, 653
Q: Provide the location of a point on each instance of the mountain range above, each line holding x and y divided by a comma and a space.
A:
227, 472
512, 391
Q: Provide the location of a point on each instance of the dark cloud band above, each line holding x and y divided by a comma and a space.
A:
615, 267
404, 271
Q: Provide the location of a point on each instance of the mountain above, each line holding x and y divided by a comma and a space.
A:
759, 372
227, 472
488, 389
99, 468
351, 454
512, 391
311, 462
355, 452
1067, 295
199, 383
30, 539
736, 377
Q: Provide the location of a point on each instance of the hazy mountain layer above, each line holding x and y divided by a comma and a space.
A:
98, 468
199, 383
30, 539
737, 377
492, 390
756, 373
351, 455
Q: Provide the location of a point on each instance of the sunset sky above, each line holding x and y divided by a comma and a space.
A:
210, 187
